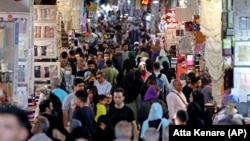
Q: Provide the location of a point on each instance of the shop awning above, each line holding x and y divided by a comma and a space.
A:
14, 6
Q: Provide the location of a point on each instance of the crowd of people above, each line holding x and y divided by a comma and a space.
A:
123, 90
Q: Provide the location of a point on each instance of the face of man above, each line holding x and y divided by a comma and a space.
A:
188, 80
91, 67
117, 50
178, 85
11, 130
118, 98
125, 47
105, 45
79, 86
100, 78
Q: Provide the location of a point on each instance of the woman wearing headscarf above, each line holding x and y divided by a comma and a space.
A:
155, 120
104, 130
151, 97
151, 80
197, 113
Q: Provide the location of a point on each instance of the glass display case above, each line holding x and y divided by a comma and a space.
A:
9, 40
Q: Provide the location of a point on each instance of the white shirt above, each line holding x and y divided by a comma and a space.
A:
103, 88
40, 137
175, 103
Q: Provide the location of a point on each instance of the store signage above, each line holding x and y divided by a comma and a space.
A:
16, 33
145, 2
10, 16
170, 18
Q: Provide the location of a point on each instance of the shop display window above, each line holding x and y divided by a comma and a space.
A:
44, 31
45, 13
45, 49
242, 25
46, 70
242, 51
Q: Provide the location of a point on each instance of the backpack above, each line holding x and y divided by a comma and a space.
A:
160, 84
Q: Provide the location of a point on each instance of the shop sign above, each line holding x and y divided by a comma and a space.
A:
145, 2
170, 18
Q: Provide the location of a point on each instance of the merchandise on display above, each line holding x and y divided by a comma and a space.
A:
46, 70
44, 32
45, 13
187, 44
2, 37
210, 20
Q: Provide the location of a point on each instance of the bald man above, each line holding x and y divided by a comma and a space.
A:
176, 100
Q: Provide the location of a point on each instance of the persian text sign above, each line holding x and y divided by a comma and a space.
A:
170, 18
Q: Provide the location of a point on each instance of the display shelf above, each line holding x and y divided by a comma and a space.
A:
46, 70
44, 31
45, 49
45, 13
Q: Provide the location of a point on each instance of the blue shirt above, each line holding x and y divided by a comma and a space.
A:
60, 93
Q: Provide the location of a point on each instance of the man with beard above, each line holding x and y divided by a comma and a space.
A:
91, 68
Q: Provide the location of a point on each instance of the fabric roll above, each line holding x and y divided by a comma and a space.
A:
210, 17
216, 90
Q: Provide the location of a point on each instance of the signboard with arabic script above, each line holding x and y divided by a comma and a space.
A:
170, 18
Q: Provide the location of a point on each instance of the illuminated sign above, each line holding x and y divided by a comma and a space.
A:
170, 18
145, 2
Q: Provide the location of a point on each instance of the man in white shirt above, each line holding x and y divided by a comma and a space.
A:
176, 100
102, 85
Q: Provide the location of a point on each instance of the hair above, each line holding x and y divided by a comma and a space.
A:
43, 123
119, 90
124, 44
151, 134
100, 73
80, 54
82, 95
195, 80
191, 75
117, 47
91, 62
80, 133
205, 79
109, 63
106, 52
105, 119
165, 65
120, 133
157, 65
21, 116
55, 81
43, 105
72, 52
149, 65
78, 50
101, 97
198, 97
182, 115
78, 81
64, 54
151, 80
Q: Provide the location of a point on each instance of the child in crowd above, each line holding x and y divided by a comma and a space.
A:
101, 106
